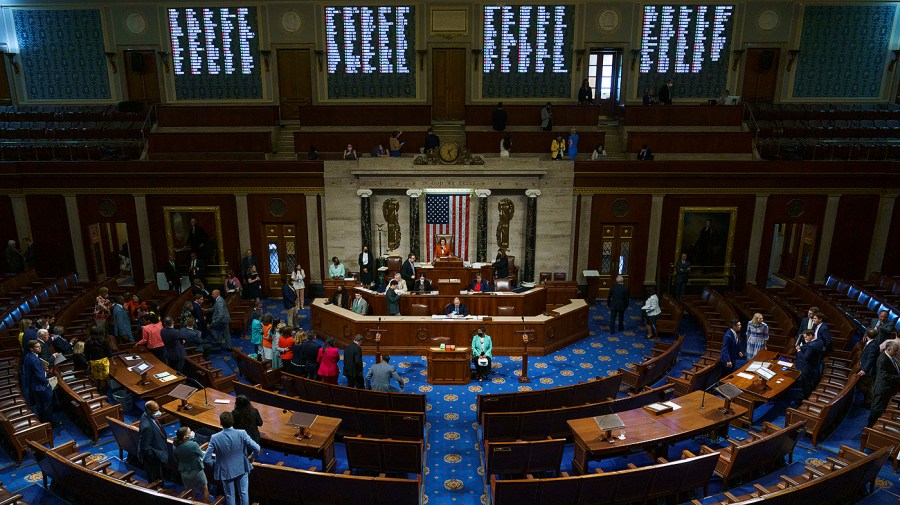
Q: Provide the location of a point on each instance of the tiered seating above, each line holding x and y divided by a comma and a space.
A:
256, 371
36, 300
782, 327
78, 478
316, 391
203, 371
243, 145
633, 485
78, 315
662, 358
842, 479
240, 313
19, 423
128, 439
8, 498
885, 287
354, 421
278, 484
712, 312
797, 299
761, 451
583, 393
699, 376
857, 300
827, 405
551, 423
87, 406
885, 432
521, 458
669, 319
384, 456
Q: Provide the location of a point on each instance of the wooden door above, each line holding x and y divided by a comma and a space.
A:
760, 75
605, 78
5, 90
279, 256
615, 256
448, 69
806, 254
141, 75
294, 81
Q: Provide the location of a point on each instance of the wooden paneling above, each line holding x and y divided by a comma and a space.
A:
294, 213
50, 231
362, 140
691, 142
760, 74
853, 230
683, 115
638, 215
449, 83
89, 212
141, 75
209, 142
7, 223
891, 263
529, 142
530, 115
389, 116
777, 212
294, 81
218, 115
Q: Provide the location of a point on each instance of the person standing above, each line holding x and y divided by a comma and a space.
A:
757, 335
808, 360
665, 93
501, 265
310, 351
645, 154
121, 328
882, 325
196, 269
221, 320
394, 143
15, 263
365, 267
557, 148
572, 143
253, 284
482, 354
806, 323
289, 302
328, 359
190, 463
353, 363
102, 308
246, 417
286, 348
246, 262
505, 145
585, 93
547, 118
392, 298
682, 270
360, 305
730, 352
408, 270
153, 447
432, 141
37, 385
380, 375
867, 366
29, 255
173, 341
821, 330
336, 269
499, 118
887, 381
173, 278
151, 334
651, 312
617, 301
227, 453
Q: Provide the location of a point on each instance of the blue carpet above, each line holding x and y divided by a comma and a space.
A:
454, 466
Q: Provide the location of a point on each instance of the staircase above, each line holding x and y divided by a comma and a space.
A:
284, 144
451, 131
615, 148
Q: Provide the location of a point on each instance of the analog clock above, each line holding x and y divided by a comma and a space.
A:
448, 152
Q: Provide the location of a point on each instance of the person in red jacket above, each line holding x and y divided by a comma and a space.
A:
286, 345
328, 359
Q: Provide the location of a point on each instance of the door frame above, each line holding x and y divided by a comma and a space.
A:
314, 81
160, 78
466, 51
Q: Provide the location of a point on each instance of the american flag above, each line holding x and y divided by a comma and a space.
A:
447, 214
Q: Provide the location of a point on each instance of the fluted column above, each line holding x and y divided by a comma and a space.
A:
482, 226
414, 245
365, 217
530, 236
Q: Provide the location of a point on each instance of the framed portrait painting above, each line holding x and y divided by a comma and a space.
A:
194, 229
706, 234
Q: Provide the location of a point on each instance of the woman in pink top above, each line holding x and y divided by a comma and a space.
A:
152, 339
328, 359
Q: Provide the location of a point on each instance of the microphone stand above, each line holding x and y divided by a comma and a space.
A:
703, 397
205, 394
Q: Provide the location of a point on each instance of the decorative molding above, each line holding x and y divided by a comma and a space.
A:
414, 193
364, 193
533, 193
171, 190
635, 190
277, 207
482, 193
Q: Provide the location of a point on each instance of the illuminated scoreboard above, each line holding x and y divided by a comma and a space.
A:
215, 52
370, 51
527, 51
689, 44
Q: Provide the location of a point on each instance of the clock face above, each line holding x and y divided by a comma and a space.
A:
448, 152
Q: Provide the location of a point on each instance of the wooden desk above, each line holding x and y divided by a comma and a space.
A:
131, 381
449, 367
528, 303
646, 431
754, 390
449, 276
413, 334
275, 431
330, 286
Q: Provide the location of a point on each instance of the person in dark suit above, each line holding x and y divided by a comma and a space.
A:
821, 330
408, 270
730, 352
36, 384
246, 417
309, 349
365, 266
665, 93
501, 265
682, 270
480, 285
153, 451
617, 301
353, 363
422, 285
499, 118
200, 315
867, 365
393, 299
196, 268
173, 278
887, 381
246, 262
174, 342
193, 337
645, 154
808, 361
456, 309
29, 255
340, 297
15, 262
197, 238
806, 324
882, 325
227, 454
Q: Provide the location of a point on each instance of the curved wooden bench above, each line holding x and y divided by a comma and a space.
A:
761, 450
256, 371
88, 407
663, 358
385, 456
823, 412
582, 393
316, 391
524, 457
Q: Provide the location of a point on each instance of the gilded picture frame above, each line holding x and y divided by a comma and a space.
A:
706, 234
177, 220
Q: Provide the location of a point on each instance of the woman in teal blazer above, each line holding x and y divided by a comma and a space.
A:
481, 348
190, 463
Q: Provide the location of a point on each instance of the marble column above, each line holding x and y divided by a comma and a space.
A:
756, 235
313, 229
143, 225
75, 234
482, 226
414, 236
20, 214
527, 279
827, 234
365, 217
651, 273
882, 232
243, 222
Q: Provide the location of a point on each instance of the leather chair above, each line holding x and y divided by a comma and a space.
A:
513, 271
440, 340
505, 310
418, 309
502, 285
559, 276
393, 264
544, 277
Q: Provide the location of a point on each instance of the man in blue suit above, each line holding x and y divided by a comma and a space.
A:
36, 385
730, 351
806, 324
153, 447
227, 453
809, 358
821, 330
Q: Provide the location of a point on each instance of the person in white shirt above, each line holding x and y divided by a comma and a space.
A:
599, 153
297, 283
651, 312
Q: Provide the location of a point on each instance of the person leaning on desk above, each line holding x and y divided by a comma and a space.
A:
456, 309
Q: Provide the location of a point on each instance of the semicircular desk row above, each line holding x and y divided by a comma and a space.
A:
405, 334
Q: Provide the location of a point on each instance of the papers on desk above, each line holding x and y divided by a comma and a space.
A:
131, 357
659, 408
756, 365
165, 377
765, 373
441, 316
382, 269
672, 404
746, 376
349, 278
785, 364
223, 402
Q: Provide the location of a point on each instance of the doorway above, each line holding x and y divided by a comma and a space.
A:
280, 241
760, 75
615, 255
793, 251
141, 75
605, 78
110, 252
448, 89
294, 81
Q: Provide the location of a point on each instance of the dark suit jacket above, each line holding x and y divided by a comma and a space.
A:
366, 277
824, 334
353, 365
310, 351
34, 376
665, 95
809, 356
172, 274
60, 344
393, 301
730, 349
884, 331
462, 311
174, 342
501, 268
407, 271
152, 440
804, 325
887, 377
618, 297
419, 288
868, 358
681, 271
251, 426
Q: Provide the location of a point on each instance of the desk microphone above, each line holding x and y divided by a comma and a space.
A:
703, 398
205, 394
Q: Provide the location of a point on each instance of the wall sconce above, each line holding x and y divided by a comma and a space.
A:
12, 61
422, 54
737, 54
265, 55
634, 57
319, 55
893, 62
580, 54
111, 58
792, 55
164, 58
476, 57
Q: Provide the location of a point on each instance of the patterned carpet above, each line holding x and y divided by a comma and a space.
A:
454, 463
